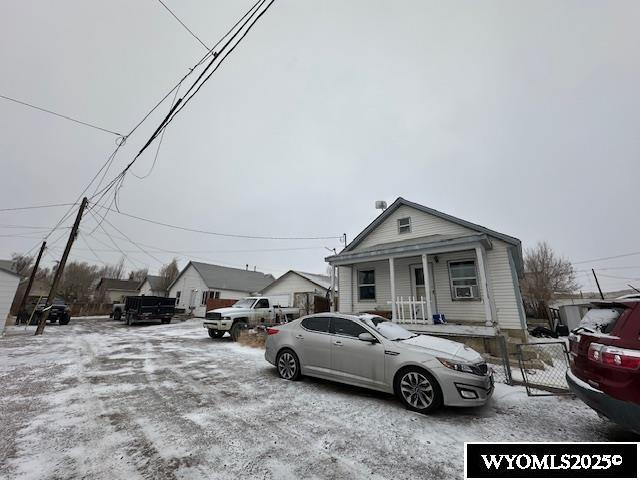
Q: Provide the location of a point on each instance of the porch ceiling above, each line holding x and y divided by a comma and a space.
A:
431, 244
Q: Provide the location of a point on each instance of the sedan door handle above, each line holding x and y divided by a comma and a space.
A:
299, 336
338, 343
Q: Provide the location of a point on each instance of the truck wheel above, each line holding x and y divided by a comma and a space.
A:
117, 315
236, 329
65, 319
215, 333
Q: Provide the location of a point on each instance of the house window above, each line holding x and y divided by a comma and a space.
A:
464, 280
177, 297
205, 295
404, 225
367, 284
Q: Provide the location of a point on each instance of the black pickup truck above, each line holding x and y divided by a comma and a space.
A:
34, 309
147, 308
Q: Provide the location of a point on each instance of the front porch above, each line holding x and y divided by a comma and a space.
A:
389, 279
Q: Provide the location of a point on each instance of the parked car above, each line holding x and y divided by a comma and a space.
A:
59, 311
248, 313
146, 308
369, 351
605, 361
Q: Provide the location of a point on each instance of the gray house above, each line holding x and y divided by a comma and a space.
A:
472, 273
199, 282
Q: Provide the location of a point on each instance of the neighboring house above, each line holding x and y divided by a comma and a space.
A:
151, 286
40, 288
9, 280
114, 290
308, 291
473, 272
199, 282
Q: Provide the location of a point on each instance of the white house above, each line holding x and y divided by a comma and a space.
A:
308, 291
198, 282
473, 272
9, 280
151, 286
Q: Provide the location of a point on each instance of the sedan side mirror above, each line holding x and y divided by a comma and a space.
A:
367, 337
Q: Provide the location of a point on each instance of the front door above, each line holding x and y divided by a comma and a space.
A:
417, 287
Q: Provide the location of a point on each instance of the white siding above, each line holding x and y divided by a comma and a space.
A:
145, 289
292, 283
503, 288
191, 281
8, 287
422, 224
499, 275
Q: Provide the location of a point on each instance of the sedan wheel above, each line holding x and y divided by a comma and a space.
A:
419, 391
288, 365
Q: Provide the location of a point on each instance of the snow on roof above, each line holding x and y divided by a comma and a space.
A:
323, 281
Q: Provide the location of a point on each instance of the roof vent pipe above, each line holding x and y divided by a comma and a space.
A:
246, 266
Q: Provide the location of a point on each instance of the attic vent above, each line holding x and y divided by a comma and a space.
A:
404, 225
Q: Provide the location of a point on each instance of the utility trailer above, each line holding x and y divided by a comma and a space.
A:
147, 308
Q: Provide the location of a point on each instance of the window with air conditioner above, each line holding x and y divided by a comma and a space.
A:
404, 225
464, 280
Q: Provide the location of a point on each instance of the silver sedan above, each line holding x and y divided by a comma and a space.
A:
369, 351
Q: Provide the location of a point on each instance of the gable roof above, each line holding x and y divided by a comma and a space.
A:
228, 278
9, 266
321, 281
117, 284
401, 201
155, 282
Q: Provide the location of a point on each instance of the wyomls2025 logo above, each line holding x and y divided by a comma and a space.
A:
551, 460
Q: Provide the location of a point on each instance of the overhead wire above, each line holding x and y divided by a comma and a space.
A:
66, 117
183, 24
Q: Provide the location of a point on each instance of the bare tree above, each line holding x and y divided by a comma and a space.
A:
546, 274
76, 284
115, 270
23, 264
138, 275
169, 273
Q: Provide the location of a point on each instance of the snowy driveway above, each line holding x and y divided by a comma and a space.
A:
98, 399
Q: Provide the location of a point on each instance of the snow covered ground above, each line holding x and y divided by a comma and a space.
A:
97, 399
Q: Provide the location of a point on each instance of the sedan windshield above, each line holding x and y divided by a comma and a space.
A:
244, 303
386, 328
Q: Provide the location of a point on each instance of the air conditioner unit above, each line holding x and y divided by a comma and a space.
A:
465, 291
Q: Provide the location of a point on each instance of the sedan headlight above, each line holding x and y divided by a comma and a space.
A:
459, 367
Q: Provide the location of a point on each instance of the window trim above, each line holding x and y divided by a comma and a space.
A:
358, 285
400, 232
478, 296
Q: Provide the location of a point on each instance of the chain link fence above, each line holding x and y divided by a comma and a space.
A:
543, 366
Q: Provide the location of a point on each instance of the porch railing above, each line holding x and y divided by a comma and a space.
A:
411, 310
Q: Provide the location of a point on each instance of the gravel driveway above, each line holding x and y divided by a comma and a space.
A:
97, 399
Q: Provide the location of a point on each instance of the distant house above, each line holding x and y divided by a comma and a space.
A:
199, 282
472, 272
9, 280
308, 291
152, 286
114, 290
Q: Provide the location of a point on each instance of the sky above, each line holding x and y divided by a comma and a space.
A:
519, 116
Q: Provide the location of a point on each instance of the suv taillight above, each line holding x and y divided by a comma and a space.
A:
272, 331
614, 356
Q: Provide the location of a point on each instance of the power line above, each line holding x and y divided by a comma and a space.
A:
132, 242
219, 234
60, 115
607, 258
34, 207
183, 24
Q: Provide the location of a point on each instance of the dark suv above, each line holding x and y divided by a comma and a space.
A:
605, 361
59, 312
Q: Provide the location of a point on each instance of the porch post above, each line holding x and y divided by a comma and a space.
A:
484, 286
392, 277
427, 287
332, 299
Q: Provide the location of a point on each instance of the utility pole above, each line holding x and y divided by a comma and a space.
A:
56, 278
597, 283
31, 279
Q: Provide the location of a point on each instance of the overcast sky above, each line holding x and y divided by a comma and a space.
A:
519, 116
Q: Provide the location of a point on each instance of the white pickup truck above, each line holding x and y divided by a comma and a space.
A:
248, 313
